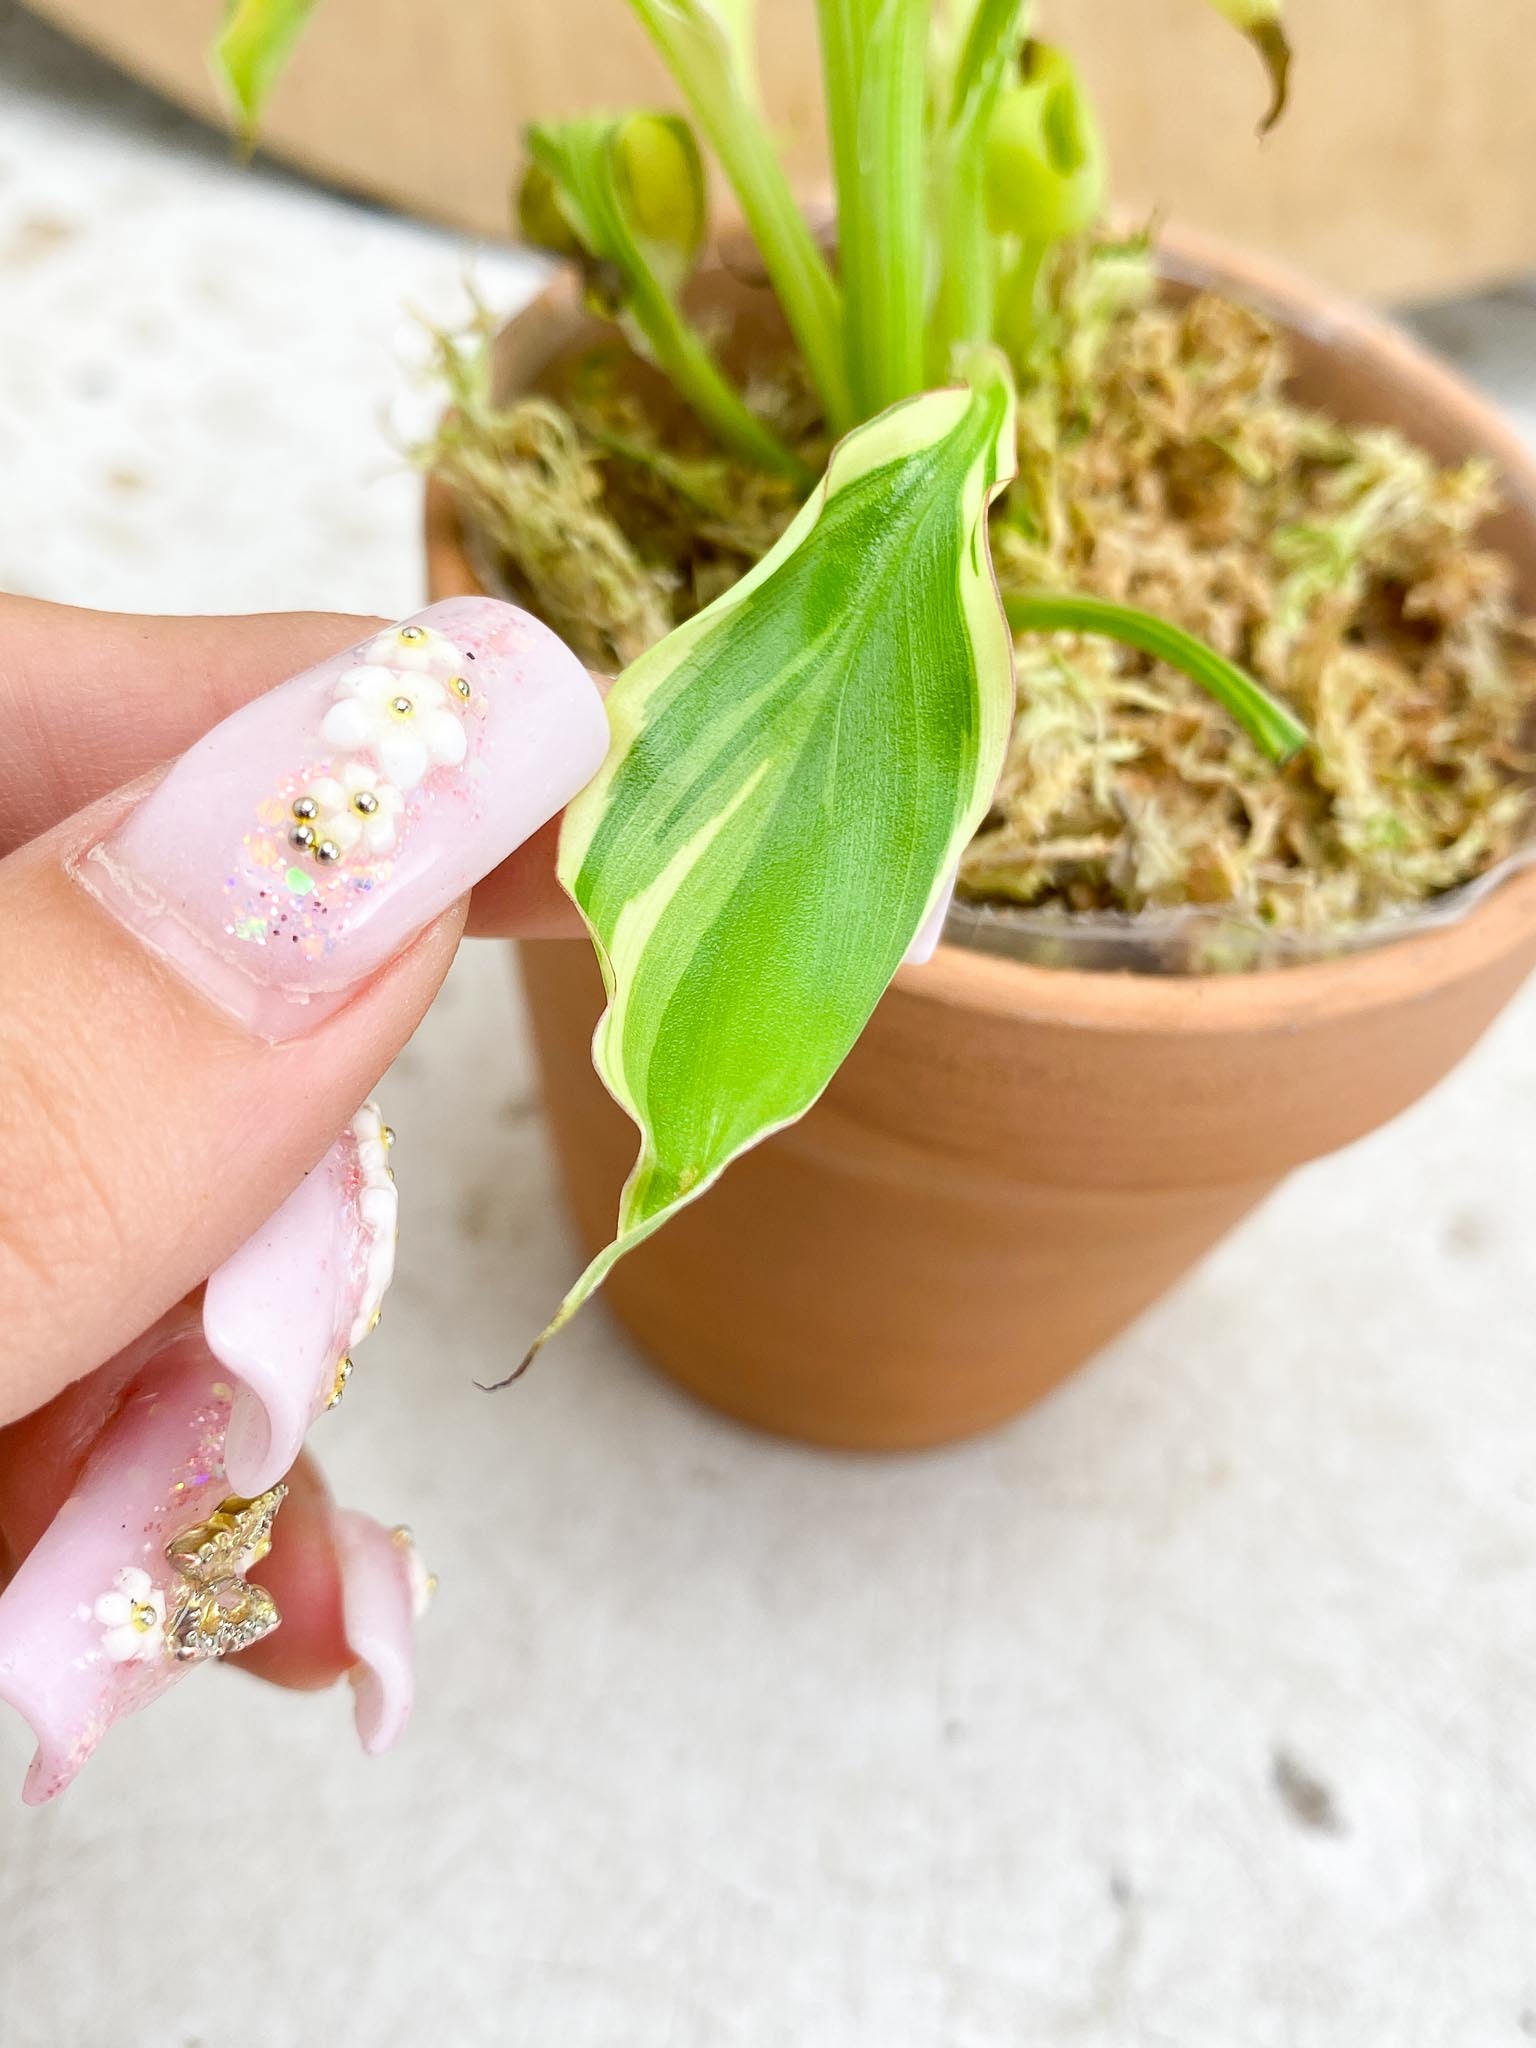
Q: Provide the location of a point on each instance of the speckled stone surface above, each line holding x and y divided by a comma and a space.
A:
1194, 1710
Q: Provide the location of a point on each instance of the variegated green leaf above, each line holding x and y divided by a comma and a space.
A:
250, 51
793, 774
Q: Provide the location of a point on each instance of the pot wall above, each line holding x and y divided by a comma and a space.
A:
1012, 1164
1015, 1161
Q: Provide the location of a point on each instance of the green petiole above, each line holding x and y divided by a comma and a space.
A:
1278, 732
706, 47
874, 66
964, 298
628, 194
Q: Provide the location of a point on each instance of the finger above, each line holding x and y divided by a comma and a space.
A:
42, 1458
43, 1454
145, 1567
522, 899
190, 1005
350, 1592
303, 1575
92, 700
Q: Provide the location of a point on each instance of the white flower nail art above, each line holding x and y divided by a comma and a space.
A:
415, 647
405, 721
358, 807
395, 715
132, 1616
378, 1204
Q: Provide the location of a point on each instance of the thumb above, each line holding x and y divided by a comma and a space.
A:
199, 983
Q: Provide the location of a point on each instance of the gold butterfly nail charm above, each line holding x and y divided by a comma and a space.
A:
216, 1613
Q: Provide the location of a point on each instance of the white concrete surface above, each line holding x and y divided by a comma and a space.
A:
1197, 1709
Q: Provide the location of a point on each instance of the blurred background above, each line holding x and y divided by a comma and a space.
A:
1193, 1709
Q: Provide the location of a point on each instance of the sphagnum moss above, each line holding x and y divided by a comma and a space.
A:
1162, 465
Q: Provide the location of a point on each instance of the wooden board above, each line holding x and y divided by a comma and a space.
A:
1404, 169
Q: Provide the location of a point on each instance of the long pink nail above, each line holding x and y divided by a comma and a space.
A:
385, 1588
304, 842
285, 1313
141, 1574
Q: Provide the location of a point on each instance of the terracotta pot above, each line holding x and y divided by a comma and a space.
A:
1015, 1161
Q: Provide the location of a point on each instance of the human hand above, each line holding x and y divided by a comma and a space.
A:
198, 987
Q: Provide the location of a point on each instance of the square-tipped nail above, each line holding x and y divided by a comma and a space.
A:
385, 1588
285, 1312
141, 1574
302, 844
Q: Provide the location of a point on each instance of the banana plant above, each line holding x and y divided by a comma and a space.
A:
795, 771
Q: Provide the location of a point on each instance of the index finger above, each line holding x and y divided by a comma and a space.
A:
91, 700
197, 992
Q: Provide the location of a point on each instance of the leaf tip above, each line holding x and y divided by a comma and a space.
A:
495, 1386
1291, 743
1274, 47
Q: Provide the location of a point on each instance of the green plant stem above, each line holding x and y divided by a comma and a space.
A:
964, 299
590, 193
1265, 720
682, 357
873, 67
796, 267
1017, 316
722, 96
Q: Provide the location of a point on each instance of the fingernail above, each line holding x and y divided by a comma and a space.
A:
140, 1576
285, 1313
385, 1589
304, 842
931, 930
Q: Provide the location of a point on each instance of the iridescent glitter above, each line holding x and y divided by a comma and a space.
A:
396, 719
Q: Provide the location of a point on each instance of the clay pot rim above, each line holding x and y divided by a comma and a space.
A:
1264, 999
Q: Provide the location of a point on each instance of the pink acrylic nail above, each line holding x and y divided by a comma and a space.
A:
385, 1588
141, 1574
286, 1312
307, 839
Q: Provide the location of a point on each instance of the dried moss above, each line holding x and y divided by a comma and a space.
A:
1162, 464
608, 522
533, 497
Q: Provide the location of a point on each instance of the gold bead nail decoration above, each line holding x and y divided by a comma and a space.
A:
339, 1383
